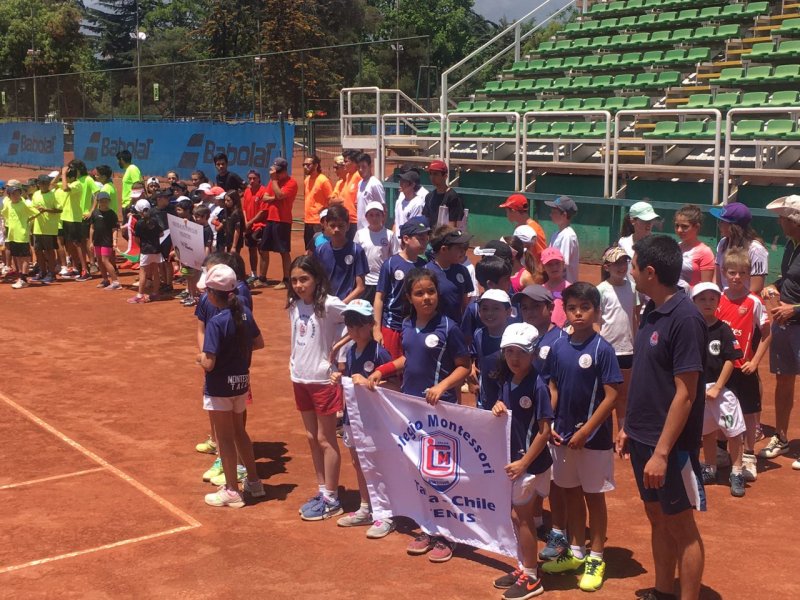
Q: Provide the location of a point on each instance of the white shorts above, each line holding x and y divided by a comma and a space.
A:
528, 485
723, 414
237, 404
592, 470
150, 259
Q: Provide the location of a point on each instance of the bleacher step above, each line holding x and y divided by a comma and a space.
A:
692, 89
756, 40
727, 63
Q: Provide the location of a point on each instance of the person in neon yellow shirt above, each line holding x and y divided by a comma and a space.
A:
72, 217
45, 229
131, 175
17, 215
104, 176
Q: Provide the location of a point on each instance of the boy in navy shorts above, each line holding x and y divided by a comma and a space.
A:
584, 379
664, 417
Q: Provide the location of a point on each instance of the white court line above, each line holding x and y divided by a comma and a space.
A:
189, 520
49, 559
8, 486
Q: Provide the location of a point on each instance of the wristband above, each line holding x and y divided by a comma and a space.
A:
387, 369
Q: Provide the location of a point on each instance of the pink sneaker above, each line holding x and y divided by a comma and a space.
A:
225, 497
420, 545
442, 551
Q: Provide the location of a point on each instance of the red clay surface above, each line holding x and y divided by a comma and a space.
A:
121, 381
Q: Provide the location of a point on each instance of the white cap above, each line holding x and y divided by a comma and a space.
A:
142, 205
522, 335
54, 174
137, 193
204, 187
525, 234
705, 286
497, 296
643, 211
785, 206
179, 198
375, 205
362, 307
323, 213
153, 180
219, 277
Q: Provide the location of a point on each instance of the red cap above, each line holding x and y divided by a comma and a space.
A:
515, 202
438, 165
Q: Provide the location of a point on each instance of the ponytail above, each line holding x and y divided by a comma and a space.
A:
239, 317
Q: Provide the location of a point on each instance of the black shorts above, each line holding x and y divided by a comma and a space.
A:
45, 242
252, 239
166, 247
369, 293
19, 249
87, 226
276, 237
74, 232
747, 389
625, 361
683, 484
309, 229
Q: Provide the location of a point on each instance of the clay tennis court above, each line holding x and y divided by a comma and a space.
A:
100, 410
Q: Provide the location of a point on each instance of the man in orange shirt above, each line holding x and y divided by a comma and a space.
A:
349, 193
338, 169
276, 236
318, 190
516, 206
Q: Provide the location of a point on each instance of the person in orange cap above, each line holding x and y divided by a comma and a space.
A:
517, 212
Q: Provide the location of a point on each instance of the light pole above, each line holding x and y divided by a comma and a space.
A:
260, 60
34, 53
398, 48
139, 36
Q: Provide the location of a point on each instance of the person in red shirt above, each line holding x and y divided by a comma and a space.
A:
255, 215
516, 206
276, 236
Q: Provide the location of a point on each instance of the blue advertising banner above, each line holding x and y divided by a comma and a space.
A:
39, 144
183, 146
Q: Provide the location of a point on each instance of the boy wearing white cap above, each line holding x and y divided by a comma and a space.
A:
494, 309
378, 244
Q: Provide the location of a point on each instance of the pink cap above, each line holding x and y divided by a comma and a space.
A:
551, 253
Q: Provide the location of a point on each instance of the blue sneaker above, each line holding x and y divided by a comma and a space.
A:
557, 546
310, 502
324, 509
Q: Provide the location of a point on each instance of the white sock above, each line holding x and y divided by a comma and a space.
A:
578, 551
363, 509
597, 555
530, 572
329, 495
538, 521
736, 470
559, 532
321, 488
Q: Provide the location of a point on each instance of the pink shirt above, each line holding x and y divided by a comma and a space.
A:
559, 317
695, 260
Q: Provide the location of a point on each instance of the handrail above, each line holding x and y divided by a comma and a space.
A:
433, 116
564, 113
460, 115
516, 27
734, 112
670, 111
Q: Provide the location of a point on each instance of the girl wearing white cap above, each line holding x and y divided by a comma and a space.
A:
638, 224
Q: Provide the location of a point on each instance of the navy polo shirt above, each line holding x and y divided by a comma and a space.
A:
580, 371
672, 339
374, 355
231, 373
488, 357
342, 265
471, 321
542, 349
454, 283
204, 310
529, 403
391, 282
430, 354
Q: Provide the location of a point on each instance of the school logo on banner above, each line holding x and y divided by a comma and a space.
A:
438, 463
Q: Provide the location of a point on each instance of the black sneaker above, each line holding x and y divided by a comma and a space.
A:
525, 587
83, 276
507, 580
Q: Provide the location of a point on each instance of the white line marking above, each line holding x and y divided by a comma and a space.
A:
143, 538
103, 463
8, 486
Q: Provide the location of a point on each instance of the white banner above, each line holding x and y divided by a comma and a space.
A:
442, 465
187, 239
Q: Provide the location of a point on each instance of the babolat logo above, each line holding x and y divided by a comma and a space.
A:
250, 156
100, 146
31, 144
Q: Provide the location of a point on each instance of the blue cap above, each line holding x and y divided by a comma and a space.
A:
564, 204
2, 184
415, 226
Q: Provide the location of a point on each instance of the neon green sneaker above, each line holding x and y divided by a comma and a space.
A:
564, 564
207, 447
214, 471
593, 571
241, 473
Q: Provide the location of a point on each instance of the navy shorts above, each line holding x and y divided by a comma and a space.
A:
747, 389
19, 249
73, 232
784, 349
276, 237
683, 485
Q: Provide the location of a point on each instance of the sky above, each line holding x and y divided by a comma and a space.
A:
494, 10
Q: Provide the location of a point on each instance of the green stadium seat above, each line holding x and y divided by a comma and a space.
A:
616, 7
599, 42
747, 129
515, 106
671, 4
778, 128
696, 55
531, 105
647, 21
572, 104
580, 129
651, 4
762, 50
701, 34
484, 129
660, 37
787, 98
668, 78
591, 26
725, 32
589, 62
593, 103
598, 9
481, 106
614, 104
489, 87
560, 129
464, 106
637, 103
662, 130
607, 25
630, 59
465, 129
503, 130
554, 104
497, 106
506, 87
519, 67
732, 10
572, 27
455, 126
730, 76
562, 46
788, 49
535, 64
687, 17
725, 100
667, 19
622, 81
545, 47
756, 74
538, 129
609, 60
639, 39
753, 100
710, 13
698, 101
626, 23
601, 82
693, 130
571, 62
618, 41
654, 57
753, 9
581, 83
552, 64
524, 86
670, 57
561, 84
581, 43
434, 128
785, 74
645, 80
634, 6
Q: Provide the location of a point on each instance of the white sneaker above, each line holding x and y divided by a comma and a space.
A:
114, 285
380, 529
776, 447
355, 519
796, 465
19, 284
63, 272
225, 497
749, 468
254, 488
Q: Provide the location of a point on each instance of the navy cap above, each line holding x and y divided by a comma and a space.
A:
564, 204
280, 163
415, 226
536, 292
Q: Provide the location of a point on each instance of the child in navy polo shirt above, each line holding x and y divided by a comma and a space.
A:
362, 358
584, 378
492, 273
344, 261
495, 309
454, 282
390, 301
527, 397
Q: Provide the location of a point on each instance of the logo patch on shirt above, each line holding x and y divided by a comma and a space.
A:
543, 352
585, 361
399, 275
654, 339
384, 242
348, 260
431, 340
369, 366
742, 310
525, 402
715, 347
460, 278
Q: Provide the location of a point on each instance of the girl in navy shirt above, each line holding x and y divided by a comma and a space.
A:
453, 279
230, 338
527, 397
